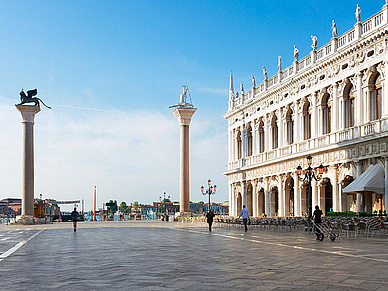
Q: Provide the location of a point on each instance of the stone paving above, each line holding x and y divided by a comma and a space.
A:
176, 256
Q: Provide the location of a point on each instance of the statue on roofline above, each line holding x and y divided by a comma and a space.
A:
334, 28
358, 13
279, 63
315, 41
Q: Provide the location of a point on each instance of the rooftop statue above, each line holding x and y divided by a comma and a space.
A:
279, 63
253, 81
265, 73
296, 54
358, 13
315, 41
30, 99
236, 96
183, 98
241, 88
334, 28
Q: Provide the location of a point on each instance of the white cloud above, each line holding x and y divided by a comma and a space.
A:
221, 91
130, 156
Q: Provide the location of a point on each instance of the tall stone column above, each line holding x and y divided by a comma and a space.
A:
386, 184
296, 196
184, 115
254, 198
28, 115
359, 195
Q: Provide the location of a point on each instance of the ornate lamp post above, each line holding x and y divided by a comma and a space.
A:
164, 201
210, 191
309, 176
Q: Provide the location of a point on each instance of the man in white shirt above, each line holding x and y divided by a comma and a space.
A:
245, 215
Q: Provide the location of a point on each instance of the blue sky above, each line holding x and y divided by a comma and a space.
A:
110, 69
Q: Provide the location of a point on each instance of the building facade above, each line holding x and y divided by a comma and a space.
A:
332, 105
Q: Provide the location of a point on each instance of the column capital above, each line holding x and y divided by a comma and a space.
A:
184, 115
28, 112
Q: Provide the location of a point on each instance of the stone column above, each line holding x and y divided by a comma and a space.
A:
314, 120
28, 115
386, 184
254, 198
359, 195
281, 129
184, 115
297, 124
281, 196
244, 195
335, 190
359, 117
231, 194
266, 196
296, 196
314, 192
335, 115
254, 138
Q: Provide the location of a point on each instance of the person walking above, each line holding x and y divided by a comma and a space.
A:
209, 217
74, 217
245, 215
317, 219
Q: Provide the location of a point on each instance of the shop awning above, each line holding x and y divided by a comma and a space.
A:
372, 180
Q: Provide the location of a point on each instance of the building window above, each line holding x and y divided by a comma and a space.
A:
239, 145
306, 121
261, 136
274, 127
249, 141
376, 98
290, 126
349, 102
326, 114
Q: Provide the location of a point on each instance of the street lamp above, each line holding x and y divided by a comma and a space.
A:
210, 191
309, 176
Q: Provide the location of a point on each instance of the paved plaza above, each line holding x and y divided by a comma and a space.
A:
176, 256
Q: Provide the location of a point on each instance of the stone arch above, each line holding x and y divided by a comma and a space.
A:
261, 201
274, 131
376, 95
249, 136
261, 136
306, 113
326, 113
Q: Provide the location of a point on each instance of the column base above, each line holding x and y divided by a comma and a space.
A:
25, 219
185, 214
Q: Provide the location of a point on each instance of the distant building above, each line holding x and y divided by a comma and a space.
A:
15, 204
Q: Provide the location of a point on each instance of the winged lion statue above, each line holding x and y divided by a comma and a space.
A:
30, 99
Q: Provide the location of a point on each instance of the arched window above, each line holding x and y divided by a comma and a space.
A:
274, 127
261, 136
290, 126
306, 120
239, 145
376, 98
326, 114
249, 141
348, 116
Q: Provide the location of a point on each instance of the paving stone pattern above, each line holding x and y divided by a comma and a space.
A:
175, 256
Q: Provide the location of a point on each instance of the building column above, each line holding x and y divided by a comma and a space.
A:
336, 199
386, 184
280, 129
385, 91
359, 195
314, 193
334, 116
243, 193
230, 146
267, 197
254, 198
281, 196
254, 138
366, 105
297, 126
342, 198
341, 116
297, 196
231, 194
359, 101
243, 142
314, 120
320, 203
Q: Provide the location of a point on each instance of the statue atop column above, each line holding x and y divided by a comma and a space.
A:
296, 54
358, 13
30, 99
315, 41
279, 63
265, 73
334, 28
183, 98
253, 81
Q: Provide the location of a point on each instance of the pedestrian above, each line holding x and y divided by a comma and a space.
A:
209, 217
245, 215
317, 219
74, 217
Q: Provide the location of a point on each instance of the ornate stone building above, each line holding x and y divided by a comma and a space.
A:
331, 104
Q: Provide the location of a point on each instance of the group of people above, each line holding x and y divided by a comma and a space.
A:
244, 213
